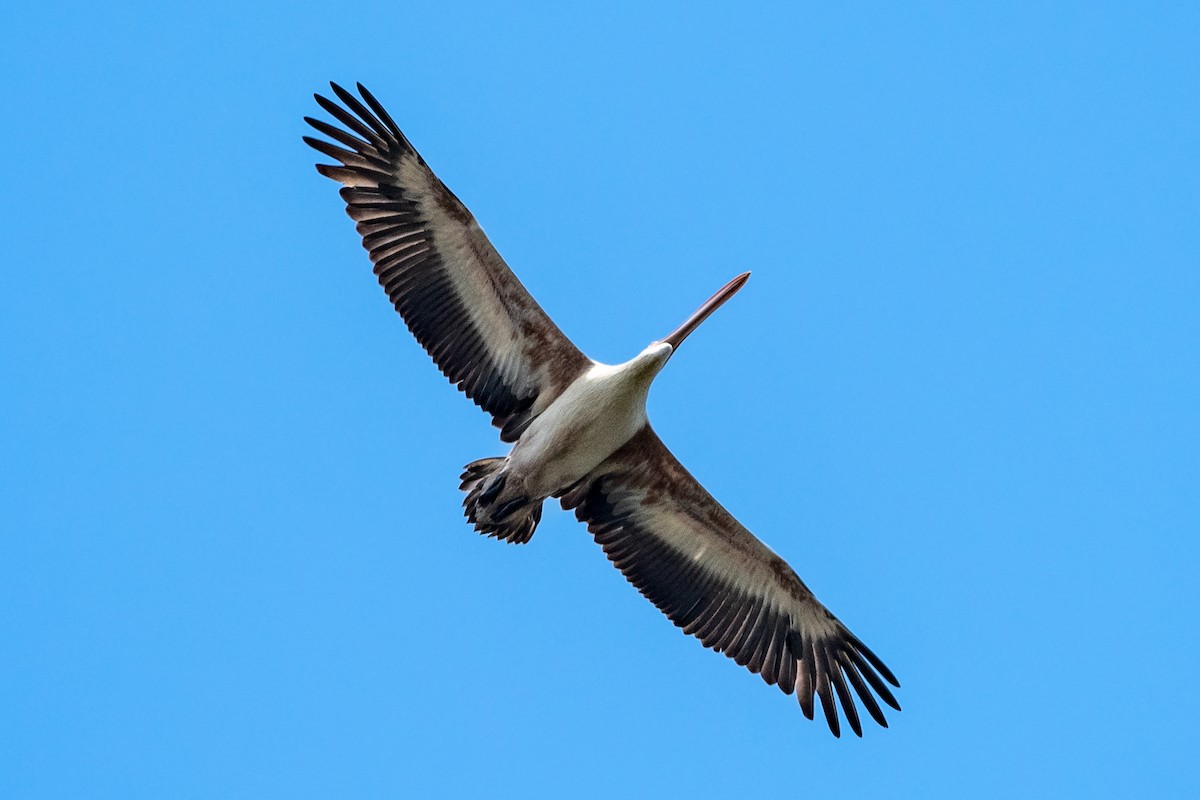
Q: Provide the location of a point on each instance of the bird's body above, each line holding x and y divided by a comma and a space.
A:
600, 411
597, 413
579, 429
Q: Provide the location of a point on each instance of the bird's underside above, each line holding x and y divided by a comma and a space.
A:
675, 543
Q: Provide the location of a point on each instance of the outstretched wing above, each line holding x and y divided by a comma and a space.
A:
454, 291
716, 581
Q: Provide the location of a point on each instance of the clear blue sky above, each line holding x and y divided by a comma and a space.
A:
961, 394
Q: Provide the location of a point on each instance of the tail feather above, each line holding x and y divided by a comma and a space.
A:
511, 519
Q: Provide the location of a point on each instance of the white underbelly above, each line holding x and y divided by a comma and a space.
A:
580, 429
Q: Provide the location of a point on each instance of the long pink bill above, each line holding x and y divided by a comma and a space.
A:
676, 337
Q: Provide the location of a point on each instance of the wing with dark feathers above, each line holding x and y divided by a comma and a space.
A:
716, 581
454, 291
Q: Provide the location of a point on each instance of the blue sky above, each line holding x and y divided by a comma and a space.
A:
961, 394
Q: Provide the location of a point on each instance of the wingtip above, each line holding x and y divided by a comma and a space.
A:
344, 95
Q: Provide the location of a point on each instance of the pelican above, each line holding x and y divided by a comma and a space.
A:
579, 431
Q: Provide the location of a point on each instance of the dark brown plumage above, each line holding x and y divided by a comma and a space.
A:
442, 274
689, 556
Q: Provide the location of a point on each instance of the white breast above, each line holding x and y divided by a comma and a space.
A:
594, 416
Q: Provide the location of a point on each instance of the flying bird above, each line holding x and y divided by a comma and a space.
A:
579, 431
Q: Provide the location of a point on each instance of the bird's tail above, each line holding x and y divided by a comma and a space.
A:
493, 511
